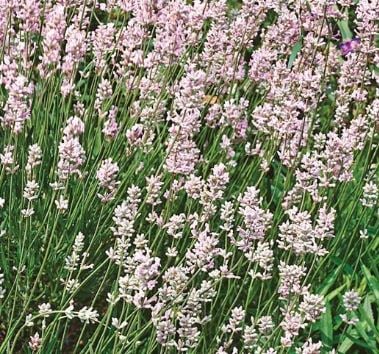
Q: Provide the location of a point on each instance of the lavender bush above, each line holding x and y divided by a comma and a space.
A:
189, 176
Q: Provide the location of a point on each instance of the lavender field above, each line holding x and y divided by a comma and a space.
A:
189, 176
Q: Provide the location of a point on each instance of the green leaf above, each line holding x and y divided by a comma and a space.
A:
97, 144
346, 33
334, 293
346, 344
365, 336
347, 269
328, 283
326, 327
367, 314
295, 51
372, 282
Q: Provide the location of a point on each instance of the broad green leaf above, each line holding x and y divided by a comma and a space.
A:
345, 346
368, 339
358, 342
346, 33
367, 314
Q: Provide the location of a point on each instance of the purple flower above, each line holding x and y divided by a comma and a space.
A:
349, 46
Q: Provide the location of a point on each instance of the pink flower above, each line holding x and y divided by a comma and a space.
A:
106, 175
53, 34
71, 157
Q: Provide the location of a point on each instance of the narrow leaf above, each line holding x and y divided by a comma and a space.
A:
326, 327
295, 51
372, 282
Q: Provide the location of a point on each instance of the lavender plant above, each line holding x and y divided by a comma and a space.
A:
189, 176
